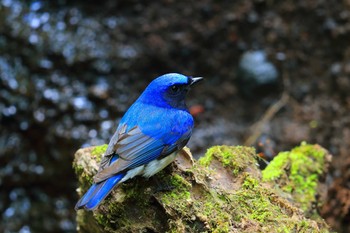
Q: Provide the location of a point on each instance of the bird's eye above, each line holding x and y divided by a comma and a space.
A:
175, 89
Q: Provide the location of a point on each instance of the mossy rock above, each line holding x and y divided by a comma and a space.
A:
298, 172
222, 192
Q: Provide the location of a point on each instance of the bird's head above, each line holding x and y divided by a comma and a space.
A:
169, 90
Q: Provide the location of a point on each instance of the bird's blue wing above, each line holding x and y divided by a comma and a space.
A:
132, 149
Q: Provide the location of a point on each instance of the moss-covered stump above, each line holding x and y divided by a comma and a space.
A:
222, 192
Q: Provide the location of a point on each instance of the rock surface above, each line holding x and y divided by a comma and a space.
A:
224, 191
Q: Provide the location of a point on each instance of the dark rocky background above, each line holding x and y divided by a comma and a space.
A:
69, 69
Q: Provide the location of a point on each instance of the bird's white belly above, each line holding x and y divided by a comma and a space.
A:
132, 173
157, 165
151, 168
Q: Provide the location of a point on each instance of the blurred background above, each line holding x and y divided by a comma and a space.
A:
276, 73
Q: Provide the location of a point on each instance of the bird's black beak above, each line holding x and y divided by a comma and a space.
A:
194, 80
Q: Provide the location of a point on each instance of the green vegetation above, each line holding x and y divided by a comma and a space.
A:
297, 172
235, 158
98, 151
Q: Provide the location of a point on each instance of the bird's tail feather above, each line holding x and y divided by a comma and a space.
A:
98, 192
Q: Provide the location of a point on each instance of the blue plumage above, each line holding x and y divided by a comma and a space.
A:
148, 137
98, 192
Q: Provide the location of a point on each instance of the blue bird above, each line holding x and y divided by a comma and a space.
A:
148, 137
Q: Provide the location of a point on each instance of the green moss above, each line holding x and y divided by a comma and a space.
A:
254, 202
116, 212
84, 179
236, 158
210, 208
250, 183
207, 158
101, 219
98, 151
119, 209
179, 197
251, 205
297, 172
214, 211
276, 168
